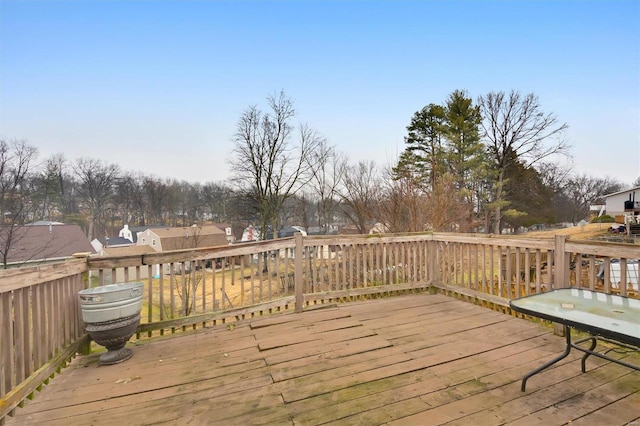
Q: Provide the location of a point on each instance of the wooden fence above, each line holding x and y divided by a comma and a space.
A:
41, 326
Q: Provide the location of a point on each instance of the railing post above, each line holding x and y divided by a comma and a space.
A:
561, 263
434, 267
85, 347
297, 262
561, 275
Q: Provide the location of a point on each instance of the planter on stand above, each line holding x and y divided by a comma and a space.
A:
112, 314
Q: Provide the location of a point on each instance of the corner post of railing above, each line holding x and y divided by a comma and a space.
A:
561, 276
297, 263
85, 347
86, 275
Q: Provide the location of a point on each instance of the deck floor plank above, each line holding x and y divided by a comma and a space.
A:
623, 411
581, 403
406, 360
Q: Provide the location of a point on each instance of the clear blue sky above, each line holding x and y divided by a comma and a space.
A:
158, 86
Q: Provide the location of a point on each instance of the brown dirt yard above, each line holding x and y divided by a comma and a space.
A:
590, 231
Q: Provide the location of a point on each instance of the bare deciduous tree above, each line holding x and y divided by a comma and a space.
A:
59, 178
360, 194
269, 165
125, 196
328, 171
445, 207
97, 188
155, 195
583, 190
403, 207
516, 130
216, 198
15, 163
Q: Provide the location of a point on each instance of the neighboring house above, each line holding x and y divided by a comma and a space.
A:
164, 239
126, 233
44, 222
623, 203
118, 275
100, 244
226, 228
597, 209
131, 232
290, 231
127, 237
42, 242
348, 230
250, 233
316, 230
379, 228
139, 241
128, 251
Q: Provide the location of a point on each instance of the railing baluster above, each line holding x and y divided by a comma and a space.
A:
172, 297
623, 276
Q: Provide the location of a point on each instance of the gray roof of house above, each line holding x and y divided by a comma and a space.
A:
114, 241
40, 243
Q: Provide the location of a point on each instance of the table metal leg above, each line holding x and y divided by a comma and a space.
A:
567, 333
594, 342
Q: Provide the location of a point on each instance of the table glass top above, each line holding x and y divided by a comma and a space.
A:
591, 308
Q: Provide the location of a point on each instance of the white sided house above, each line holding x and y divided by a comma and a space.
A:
625, 207
623, 203
190, 237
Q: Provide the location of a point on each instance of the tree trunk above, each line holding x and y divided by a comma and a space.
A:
498, 208
90, 233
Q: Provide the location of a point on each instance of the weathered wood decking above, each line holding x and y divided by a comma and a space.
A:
416, 360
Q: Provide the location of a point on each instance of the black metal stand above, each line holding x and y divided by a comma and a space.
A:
587, 351
567, 333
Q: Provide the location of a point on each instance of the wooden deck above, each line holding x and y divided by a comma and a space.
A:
414, 360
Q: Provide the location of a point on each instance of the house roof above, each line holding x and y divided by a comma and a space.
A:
135, 229
114, 241
621, 192
190, 237
128, 251
41, 243
221, 226
45, 222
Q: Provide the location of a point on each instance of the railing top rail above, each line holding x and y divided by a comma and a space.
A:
496, 240
190, 254
314, 240
480, 239
605, 249
13, 279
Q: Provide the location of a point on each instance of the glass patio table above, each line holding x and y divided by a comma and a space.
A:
605, 317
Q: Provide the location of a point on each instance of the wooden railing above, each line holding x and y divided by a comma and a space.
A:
41, 328
500, 269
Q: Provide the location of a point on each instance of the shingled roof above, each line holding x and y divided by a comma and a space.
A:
43, 242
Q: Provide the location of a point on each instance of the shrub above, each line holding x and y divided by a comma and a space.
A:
605, 218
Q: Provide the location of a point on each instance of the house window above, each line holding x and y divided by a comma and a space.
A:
153, 242
144, 241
